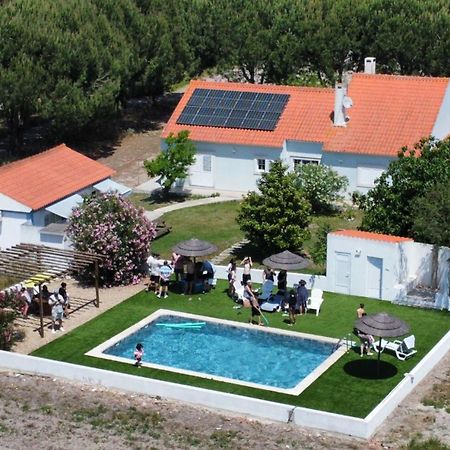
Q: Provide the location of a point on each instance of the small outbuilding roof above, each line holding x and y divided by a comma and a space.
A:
372, 236
43, 179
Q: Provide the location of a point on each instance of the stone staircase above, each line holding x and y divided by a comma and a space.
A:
228, 252
419, 297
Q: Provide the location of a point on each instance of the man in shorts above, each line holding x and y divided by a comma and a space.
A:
165, 272
56, 301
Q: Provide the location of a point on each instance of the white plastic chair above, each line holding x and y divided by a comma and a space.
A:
315, 300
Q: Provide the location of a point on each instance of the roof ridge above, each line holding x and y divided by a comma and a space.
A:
25, 160
398, 76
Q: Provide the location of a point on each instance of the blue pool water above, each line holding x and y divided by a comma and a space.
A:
249, 355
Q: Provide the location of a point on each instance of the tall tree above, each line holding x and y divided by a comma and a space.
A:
277, 217
389, 205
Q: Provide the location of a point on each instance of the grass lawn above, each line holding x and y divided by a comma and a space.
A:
339, 390
150, 202
214, 223
217, 223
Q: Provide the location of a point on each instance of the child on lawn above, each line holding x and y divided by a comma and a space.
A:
138, 354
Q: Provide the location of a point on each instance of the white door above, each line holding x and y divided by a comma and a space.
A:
342, 275
374, 281
201, 173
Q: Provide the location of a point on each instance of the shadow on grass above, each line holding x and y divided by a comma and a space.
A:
367, 369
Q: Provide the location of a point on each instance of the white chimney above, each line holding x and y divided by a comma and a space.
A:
369, 65
339, 112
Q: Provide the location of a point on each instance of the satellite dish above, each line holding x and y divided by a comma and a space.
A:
347, 102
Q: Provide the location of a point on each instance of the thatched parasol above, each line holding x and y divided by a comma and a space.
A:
381, 325
194, 247
286, 260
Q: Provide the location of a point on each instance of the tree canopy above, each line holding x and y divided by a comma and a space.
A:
431, 215
73, 63
173, 163
109, 225
321, 185
389, 206
277, 217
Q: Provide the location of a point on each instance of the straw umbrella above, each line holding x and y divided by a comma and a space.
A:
381, 325
194, 247
286, 260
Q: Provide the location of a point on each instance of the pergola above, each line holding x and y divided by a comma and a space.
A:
38, 264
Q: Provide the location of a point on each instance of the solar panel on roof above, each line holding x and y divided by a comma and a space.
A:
233, 109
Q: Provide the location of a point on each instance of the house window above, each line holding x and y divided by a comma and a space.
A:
302, 161
53, 218
207, 163
262, 165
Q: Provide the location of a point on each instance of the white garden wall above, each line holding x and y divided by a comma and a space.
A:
303, 417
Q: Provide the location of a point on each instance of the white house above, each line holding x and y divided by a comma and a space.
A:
37, 195
356, 128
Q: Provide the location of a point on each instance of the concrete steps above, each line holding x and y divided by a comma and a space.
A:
228, 252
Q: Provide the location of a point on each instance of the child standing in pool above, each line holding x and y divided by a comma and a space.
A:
138, 354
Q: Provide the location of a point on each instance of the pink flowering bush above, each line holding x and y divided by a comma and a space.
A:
110, 225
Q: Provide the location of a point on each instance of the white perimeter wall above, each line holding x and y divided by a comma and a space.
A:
303, 417
316, 281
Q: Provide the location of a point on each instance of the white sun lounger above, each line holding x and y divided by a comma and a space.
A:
402, 349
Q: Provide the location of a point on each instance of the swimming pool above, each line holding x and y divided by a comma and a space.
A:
265, 358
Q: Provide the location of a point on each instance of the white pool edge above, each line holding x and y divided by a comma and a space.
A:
304, 417
97, 352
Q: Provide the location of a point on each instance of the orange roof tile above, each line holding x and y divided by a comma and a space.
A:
43, 179
371, 236
306, 116
389, 112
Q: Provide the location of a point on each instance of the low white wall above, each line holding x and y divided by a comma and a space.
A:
363, 428
316, 281
411, 380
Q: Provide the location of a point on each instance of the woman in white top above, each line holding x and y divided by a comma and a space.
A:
247, 262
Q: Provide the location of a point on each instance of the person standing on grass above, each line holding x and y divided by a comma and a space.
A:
302, 297
231, 270
292, 307
190, 276
247, 263
138, 354
178, 267
165, 272
57, 304
250, 296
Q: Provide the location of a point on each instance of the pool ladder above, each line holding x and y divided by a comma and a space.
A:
347, 340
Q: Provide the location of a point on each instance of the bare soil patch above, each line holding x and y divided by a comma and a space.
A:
54, 414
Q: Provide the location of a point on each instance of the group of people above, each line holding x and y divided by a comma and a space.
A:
186, 271
28, 302
295, 300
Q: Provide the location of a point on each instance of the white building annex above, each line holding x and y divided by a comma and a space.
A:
356, 128
37, 195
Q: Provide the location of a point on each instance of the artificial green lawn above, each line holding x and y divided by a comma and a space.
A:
335, 391
216, 223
